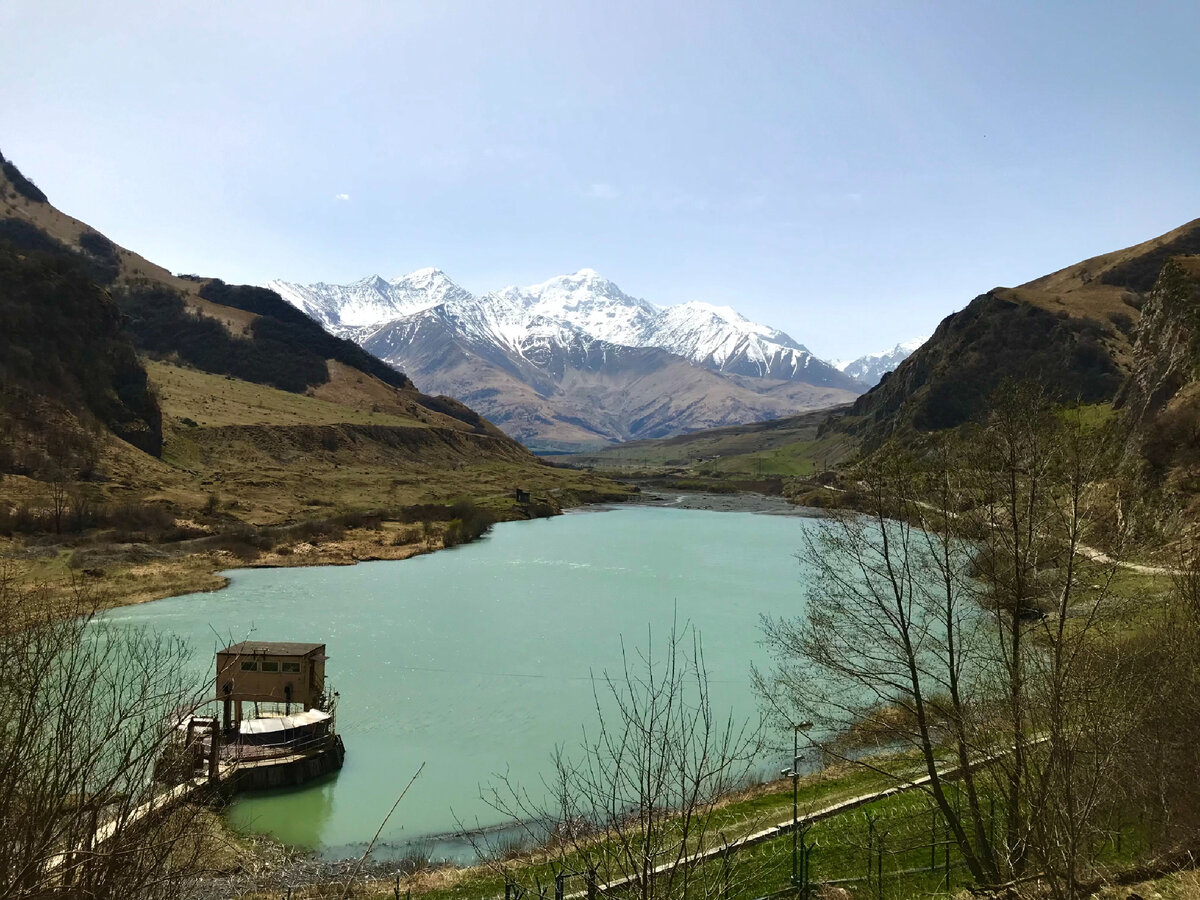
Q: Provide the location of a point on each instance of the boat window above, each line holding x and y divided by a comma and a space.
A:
291, 667
270, 666
249, 666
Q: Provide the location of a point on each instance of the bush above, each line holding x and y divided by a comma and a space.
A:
1140, 273
104, 254
448, 406
281, 323
468, 522
161, 323
129, 522
61, 337
1123, 322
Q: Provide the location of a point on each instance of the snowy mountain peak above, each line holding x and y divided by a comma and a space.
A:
869, 369
582, 306
428, 276
374, 282
371, 300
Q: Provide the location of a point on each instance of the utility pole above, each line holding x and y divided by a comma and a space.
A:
795, 798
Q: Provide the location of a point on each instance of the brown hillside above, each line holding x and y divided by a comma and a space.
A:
270, 441
349, 387
1071, 330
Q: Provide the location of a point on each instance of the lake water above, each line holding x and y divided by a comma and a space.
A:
478, 660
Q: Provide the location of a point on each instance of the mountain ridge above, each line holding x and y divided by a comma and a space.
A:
1072, 330
716, 336
575, 361
871, 367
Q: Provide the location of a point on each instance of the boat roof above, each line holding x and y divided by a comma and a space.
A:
282, 723
272, 648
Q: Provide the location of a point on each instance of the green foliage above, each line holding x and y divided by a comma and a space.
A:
161, 323
450, 407
1123, 321
283, 323
100, 264
467, 523
25, 236
951, 380
104, 255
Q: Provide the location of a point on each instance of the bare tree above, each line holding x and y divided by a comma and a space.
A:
955, 617
635, 803
1156, 789
84, 712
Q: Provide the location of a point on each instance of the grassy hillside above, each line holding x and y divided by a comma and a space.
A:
783, 456
1071, 330
158, 429
217, 400
67, 366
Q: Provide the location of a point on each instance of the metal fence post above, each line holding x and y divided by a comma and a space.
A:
946, 856
870, 847
879, 866
933, 843
805, 854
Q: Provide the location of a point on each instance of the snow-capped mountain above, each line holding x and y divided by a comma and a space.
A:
871, 368
574, 360
584, 303
372, 300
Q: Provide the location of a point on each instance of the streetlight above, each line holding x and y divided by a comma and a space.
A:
794, 774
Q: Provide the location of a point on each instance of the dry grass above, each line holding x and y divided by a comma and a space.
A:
1177, 886
787, 446
214, 401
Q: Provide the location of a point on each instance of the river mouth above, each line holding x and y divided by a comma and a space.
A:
478, 661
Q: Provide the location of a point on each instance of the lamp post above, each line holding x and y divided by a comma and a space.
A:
798, 879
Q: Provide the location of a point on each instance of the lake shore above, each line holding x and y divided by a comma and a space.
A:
131, 574
617, 574
734, 501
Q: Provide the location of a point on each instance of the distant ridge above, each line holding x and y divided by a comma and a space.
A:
574, 361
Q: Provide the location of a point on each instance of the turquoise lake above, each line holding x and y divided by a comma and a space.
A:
478, 660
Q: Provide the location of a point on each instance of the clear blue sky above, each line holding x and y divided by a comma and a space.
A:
849, 172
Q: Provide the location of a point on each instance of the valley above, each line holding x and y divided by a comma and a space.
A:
186, 425
197, 436
494, 451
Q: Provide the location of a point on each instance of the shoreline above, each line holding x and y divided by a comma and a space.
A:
174, 573
734, 501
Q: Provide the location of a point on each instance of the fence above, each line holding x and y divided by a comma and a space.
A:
896, 846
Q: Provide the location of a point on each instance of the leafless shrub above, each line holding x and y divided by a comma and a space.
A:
85, 709
635, 802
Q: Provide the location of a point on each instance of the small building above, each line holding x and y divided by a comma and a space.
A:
275, 672
278, 725
521, 496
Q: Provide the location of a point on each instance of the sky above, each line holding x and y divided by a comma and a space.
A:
848, 172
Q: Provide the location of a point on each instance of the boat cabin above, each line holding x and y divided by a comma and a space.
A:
273, 672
